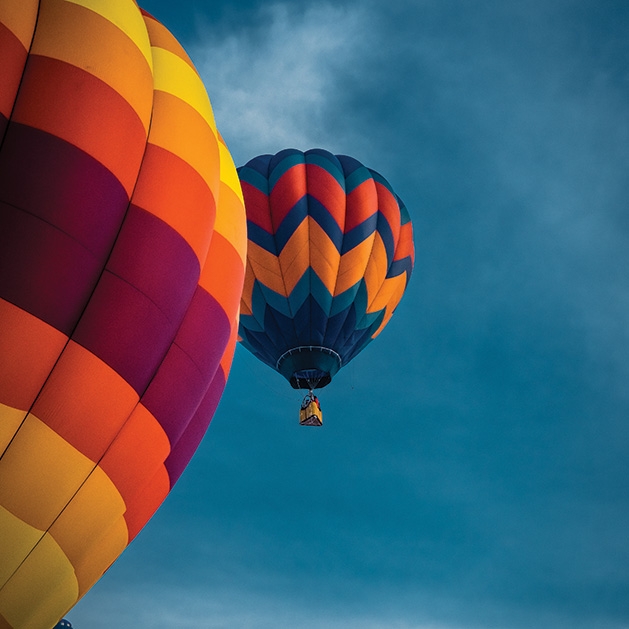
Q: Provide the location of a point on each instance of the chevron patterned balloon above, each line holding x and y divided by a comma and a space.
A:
330, 253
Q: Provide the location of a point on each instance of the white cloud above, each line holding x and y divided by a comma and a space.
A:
270, 85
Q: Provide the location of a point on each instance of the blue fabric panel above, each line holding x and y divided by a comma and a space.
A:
322, 215
261, 237
357, 235
254, 178
328, 162
282, 162
291, 222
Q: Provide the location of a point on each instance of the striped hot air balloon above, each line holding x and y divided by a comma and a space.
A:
330, 252
122, 258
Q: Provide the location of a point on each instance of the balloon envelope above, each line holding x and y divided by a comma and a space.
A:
329, 256
122, 254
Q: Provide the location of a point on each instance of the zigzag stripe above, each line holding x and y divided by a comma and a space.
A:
308, 206
405, 265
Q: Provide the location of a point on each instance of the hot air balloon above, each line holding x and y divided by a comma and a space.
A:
330, 252
122, 258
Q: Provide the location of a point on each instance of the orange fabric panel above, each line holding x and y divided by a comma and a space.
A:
265, 267
137, 452
324, 256
144, 504
388, 298
182, 130
223, 274
376, 270
295, 257
29, 349
85, 401
170, 189
353, 265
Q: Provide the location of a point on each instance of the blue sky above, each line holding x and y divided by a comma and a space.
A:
473, 467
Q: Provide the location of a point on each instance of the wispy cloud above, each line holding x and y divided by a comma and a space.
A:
270, 84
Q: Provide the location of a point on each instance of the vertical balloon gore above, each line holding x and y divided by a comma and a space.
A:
122, 261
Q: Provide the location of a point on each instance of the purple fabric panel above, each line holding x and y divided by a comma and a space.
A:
204, 333
183, 378
141, 299
153, 257
63, 185
125, 329
176, 392
43, 270
183, 450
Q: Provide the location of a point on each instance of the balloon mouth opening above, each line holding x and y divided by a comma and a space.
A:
309, 366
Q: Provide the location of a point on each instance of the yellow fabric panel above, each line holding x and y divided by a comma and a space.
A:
265, 268
174, 76
324, 256
377, 268
86, 40
230, 214
16, 540
183, 131
295, 257
10, 420
19, 16
45, 576
91, 530
40, 472
127, 17
97, 559
161, 37
353, 265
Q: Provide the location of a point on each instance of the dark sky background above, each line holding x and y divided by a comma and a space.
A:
473, 467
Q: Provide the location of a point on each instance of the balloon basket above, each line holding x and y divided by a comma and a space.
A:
310, 416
